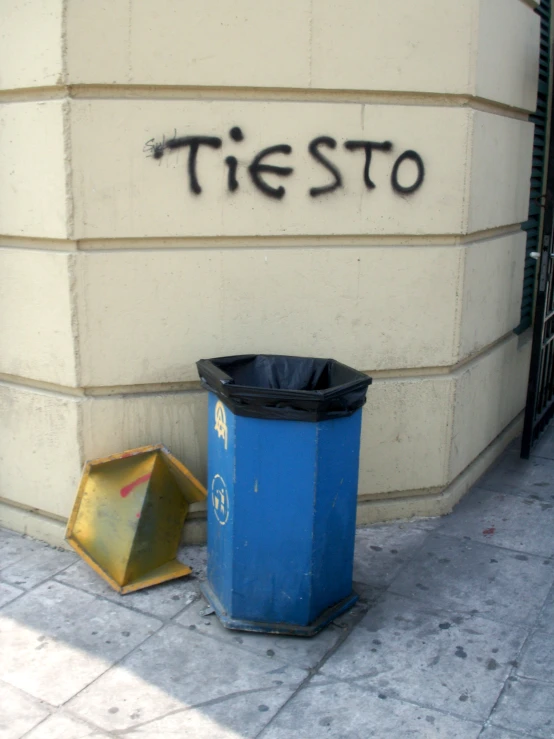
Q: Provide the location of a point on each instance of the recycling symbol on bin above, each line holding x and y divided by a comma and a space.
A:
221, 422
220, 499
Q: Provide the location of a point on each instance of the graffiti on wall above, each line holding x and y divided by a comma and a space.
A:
263, 163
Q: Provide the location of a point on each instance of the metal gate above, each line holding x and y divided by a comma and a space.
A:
540, 392
539, 409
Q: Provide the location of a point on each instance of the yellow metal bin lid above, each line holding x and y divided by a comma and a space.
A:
128, 515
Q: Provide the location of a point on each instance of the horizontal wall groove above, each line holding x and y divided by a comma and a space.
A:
33, 94
193, 386
166, 388
254, 242
400, 494
37, 243
261, 94
34, 511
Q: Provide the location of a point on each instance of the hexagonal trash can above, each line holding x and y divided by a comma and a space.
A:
283, 455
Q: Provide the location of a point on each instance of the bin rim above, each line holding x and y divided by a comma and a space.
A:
283, 403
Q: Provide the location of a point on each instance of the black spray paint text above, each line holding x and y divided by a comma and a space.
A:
260, 165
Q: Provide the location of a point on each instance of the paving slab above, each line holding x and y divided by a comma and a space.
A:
196, 558
347, 620
537, 658
55, 640
294, 650
520, 523
381, 551
546, 618
177, 668
37, 567
18, 712
61, 726
8, 593
495, 732
162, 601
526, 706
473, 577
353, 711
14, 547
545, 446
445, 661
518, 476
238, 717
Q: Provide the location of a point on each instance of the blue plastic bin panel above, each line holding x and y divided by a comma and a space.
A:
334, 528
221, 499
281, 514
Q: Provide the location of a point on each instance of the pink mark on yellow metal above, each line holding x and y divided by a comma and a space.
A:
126, 489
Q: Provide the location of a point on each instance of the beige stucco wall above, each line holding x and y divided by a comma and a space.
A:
31, 47
116, 278
34, 198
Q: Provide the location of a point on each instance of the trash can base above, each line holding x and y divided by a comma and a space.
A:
288, 629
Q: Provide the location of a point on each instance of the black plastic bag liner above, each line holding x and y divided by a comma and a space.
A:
285, 388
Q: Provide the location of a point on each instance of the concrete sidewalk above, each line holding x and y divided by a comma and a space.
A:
453, 638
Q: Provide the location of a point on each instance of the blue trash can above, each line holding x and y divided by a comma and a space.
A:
283, 454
